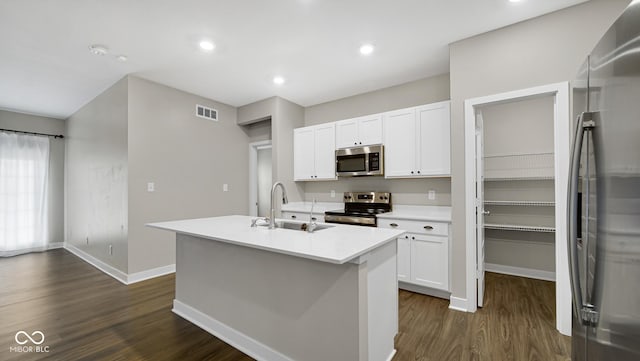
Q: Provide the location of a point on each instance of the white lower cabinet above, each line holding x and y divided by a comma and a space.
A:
302, 216
423, 253
430, 261
404, 258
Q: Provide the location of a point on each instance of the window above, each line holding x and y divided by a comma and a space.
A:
24, 166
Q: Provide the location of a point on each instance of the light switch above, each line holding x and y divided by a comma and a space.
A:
151, 187
431, 195
225, 187
333, 193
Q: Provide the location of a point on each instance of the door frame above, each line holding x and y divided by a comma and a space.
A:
562, 139
253, 173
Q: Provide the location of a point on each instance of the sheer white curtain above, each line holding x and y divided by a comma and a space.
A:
24, 168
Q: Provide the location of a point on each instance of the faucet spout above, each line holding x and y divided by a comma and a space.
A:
272, 215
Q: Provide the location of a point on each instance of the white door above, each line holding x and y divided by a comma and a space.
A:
404, 258
303, 154
370, 129
400, 143
325, 151
480, 212
430, 261
347, 133
435, 140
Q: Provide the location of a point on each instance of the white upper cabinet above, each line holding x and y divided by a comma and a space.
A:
325, 151
360, 131
435, 147
314, 152
417, 141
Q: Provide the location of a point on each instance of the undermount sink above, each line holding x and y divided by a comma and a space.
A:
297, 226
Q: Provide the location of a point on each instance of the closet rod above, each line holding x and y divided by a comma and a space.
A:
32, 133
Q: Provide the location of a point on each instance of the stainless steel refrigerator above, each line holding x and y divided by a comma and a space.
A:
604, 197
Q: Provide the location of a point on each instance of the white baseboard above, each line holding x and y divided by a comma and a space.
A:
151, 273
521, 271
227, 334
424, 290
102, 266
124, 278
458, 304
393, 353
30, 250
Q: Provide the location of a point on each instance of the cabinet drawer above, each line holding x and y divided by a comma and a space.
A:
424, 227
299, 216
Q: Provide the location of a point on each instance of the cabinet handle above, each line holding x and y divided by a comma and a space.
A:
294, 216
418, 172
314, 218
428, 228
355, 143
413, 238
407, 237
393, 224
360, 143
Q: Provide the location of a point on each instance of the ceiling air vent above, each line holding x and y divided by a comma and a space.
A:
206, 112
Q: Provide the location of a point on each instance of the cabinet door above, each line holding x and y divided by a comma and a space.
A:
400, 143
303, 153
346, 133
430, 261
370, 129
404, 259
435, 140
291, 215
325, 151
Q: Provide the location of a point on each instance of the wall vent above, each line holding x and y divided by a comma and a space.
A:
206, 112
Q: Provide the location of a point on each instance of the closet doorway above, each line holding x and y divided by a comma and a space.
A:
516, 161
260, 178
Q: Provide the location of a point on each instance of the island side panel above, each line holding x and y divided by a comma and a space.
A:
382, 298
303, 309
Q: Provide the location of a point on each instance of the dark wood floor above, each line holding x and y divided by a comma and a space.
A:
86, 315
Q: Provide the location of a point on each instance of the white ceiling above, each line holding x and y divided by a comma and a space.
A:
46, 68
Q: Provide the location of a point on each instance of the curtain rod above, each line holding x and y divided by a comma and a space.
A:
46, 135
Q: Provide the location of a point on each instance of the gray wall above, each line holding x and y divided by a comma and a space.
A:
284, 117
96, 177
540, 51
405, 191
422, 91
188, 158
38, 124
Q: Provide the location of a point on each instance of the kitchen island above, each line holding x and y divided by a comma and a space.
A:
282, 294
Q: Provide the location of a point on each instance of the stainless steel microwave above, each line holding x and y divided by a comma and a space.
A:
360, 161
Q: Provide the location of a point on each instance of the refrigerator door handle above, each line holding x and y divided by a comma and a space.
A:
585, 312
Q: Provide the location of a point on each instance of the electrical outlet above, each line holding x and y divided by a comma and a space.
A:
151, 187
431, 195
333, 193
110, 250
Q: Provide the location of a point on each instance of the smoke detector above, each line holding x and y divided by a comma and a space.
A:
98, 49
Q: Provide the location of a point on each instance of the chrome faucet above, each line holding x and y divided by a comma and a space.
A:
312, 222
272, 215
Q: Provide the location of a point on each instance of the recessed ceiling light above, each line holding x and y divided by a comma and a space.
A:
206, 45
514, 1
366, 49
121, 58
98, 49
278, 80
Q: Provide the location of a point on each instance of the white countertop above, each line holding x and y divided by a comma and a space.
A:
339, 244
419, 213
319, 207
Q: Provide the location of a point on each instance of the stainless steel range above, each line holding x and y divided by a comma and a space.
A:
360, 208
